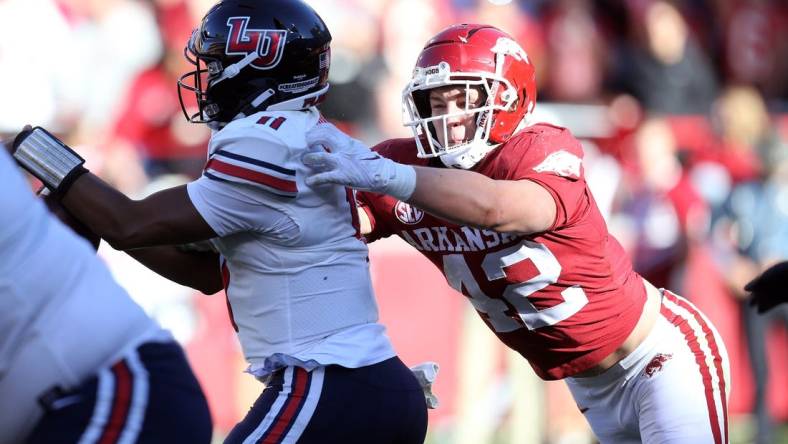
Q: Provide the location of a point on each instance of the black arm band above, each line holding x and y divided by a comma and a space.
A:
69, 180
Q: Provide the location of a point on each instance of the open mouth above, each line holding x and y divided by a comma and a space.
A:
457, 145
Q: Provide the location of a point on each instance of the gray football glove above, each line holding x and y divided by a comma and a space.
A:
336, 158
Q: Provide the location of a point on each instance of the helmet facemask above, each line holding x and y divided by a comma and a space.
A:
203, 81
467, 56
197, 82
417, 115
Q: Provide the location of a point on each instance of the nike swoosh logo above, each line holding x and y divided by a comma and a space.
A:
583, 410
371, 158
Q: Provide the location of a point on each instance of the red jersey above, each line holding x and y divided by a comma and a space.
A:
564, 298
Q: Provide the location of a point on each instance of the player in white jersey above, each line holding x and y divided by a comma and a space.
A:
290, 258
79, 360
296, 272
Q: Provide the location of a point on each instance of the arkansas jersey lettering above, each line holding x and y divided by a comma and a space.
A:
269, 44
452, 239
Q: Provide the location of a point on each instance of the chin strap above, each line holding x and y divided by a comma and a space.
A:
233, 70
466, 158
301, 102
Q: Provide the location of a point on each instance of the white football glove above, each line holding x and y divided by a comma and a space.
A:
426, 373
350, 163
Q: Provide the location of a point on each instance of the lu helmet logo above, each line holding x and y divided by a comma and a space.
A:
269, 44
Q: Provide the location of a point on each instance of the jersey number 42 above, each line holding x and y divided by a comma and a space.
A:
515, 296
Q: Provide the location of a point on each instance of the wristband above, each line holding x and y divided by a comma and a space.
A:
403, 182
47, 158
69, 180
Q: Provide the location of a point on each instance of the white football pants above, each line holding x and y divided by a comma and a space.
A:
672, 389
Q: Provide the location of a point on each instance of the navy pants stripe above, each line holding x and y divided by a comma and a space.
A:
150, 396
283, 410
283, 422
381, 403
121, 402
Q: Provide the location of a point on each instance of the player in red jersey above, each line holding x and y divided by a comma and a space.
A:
502, 207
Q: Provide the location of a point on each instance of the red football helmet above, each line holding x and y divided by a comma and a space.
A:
471, 56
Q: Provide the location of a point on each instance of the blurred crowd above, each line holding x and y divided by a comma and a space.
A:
682, 107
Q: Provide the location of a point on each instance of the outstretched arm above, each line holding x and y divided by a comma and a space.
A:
94, 209
461, 196
165, 218
466, 197
195, 269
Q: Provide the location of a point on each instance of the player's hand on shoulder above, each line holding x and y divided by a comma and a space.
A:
9, 141
9, 144
12, 141
336, 158
327, 143
768, 289
52, 203
333, 157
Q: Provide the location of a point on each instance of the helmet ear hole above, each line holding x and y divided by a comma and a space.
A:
214, 67
510, 96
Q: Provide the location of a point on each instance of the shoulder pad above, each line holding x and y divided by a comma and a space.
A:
549, 149
254, 160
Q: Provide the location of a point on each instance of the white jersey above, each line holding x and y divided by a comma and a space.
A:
296, 271
61, 313
54, 287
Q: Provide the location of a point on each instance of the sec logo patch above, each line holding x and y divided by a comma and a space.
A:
408, 214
